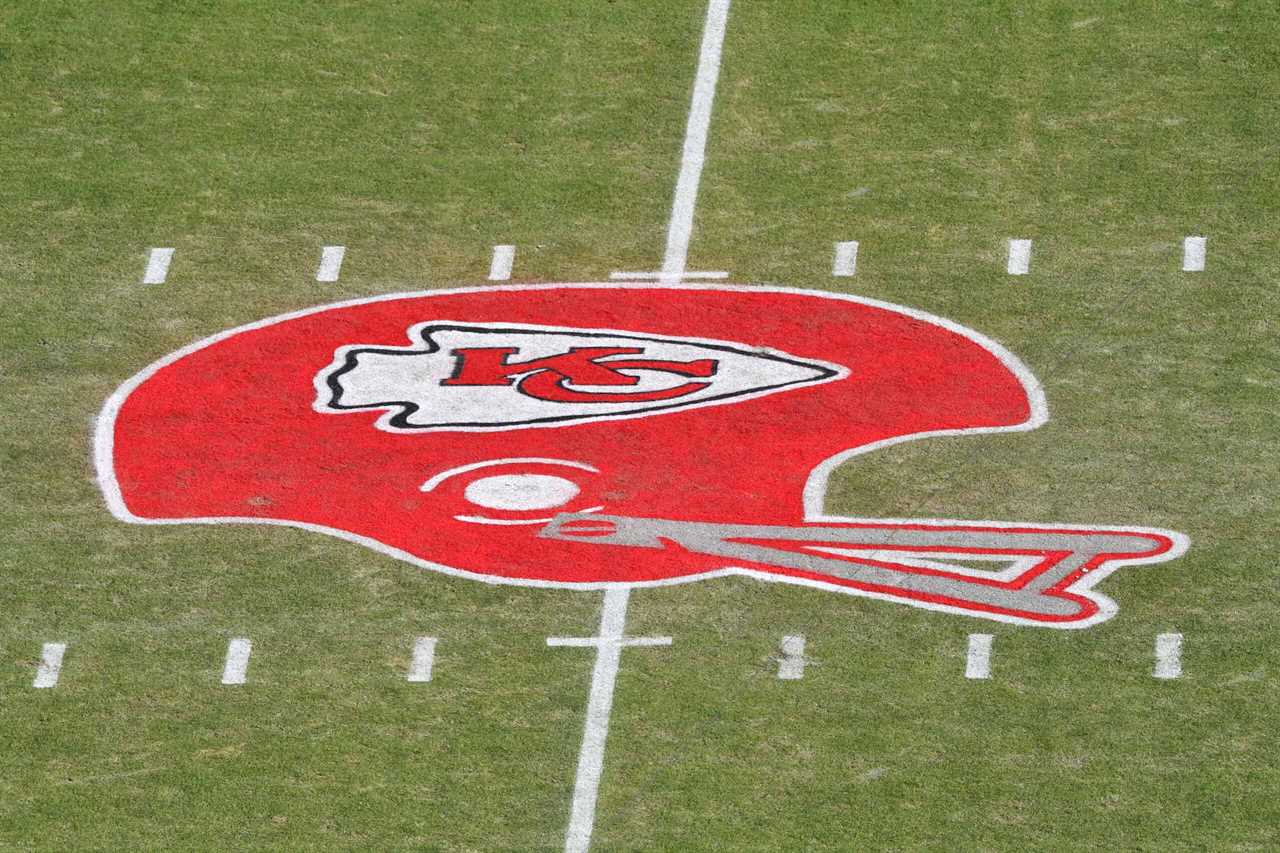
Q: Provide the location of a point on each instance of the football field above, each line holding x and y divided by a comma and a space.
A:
1043, 238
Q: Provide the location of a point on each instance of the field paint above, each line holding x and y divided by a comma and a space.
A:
50, 665
157, 266
791, 664
330, 263
846, 262
978, 662
504, 257
1193, 254
695, 143
609, 643
1168, 656
1019, 257
705, 275
237, 664
815, 489
424, 655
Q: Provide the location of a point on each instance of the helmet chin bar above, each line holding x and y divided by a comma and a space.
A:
1048, 590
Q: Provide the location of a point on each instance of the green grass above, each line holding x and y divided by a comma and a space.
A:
247, 135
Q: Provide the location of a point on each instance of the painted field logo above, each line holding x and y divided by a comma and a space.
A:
481, 377
593, 436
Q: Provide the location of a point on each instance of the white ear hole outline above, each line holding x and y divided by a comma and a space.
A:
437, 479
494, 488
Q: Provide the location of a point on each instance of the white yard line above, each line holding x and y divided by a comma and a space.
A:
50, 665
1168, 656
330, 263
978, 662
791, 664
846, 260
695, 143
1193, 254
504, 258
609, 643
157, 266
238, 650
1019, 257
424, 654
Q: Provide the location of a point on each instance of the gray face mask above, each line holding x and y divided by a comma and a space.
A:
919, 562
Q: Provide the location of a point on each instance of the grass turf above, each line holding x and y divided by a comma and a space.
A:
418, 135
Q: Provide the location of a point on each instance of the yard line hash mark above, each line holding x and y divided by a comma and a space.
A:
1193, 254
1168, 656
503, 259
604, 677
846, 260
695, 143
50, 665
977, 663
238, 650
330, 263
157, 266
791, 664
1019, 257
424, 653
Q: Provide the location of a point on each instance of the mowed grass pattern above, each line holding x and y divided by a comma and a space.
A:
418, 136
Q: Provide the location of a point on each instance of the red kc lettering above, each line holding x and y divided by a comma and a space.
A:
548, 378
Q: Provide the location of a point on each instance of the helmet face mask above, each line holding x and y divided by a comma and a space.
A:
588, 435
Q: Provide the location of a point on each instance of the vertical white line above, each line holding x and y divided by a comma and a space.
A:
846, 262
695, 143
791, 667
237, 664
978, 663
50, 665
1019, 257
157, 266
586, 787
503, 259
424, 653
1168, 656
330, 263
1193, 254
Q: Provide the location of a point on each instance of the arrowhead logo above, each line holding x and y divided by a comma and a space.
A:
475, 376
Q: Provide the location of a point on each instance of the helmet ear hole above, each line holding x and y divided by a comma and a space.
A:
521, 492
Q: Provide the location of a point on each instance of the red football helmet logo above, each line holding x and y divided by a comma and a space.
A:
589, 435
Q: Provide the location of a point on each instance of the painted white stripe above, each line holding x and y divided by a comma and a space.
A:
1193, 254
978, 662
846, 262
237, 664
703, 275
791, 665
330, 263
50, 665
157, 266
1019, 257
504, 258
609, 645
424, 655
1168, 656
692, 158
